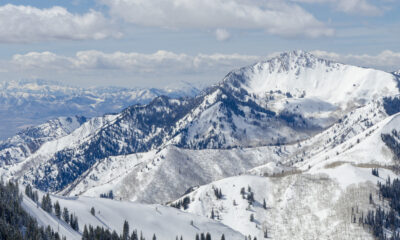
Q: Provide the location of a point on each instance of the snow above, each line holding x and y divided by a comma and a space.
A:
153, 176
348, 174
165, 222
310, 205
366, 147
299, 72
309, 184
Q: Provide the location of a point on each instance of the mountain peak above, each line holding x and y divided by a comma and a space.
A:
300, 73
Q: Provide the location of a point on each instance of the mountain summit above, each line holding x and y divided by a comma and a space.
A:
295, 100
301, 74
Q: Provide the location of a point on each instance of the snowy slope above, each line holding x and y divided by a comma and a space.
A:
298, 205
366, 147
153, 176
44, 219
28, 141
165, 222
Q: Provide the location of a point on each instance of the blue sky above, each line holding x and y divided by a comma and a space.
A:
156, 43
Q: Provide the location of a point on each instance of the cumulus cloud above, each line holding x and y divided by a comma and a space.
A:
30, 24
160, 61
386, 60
158, 68
362, 7
166, 61
275, 16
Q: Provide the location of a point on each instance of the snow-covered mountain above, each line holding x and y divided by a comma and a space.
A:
302, 132
293, 99
314, 200
29, 140
29, 103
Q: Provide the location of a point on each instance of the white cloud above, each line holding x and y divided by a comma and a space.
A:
222, 34
362, 7
274, 16
158, 62
162, 62
387, 60
30, 24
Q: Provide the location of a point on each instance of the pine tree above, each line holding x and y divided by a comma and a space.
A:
208, 236
154, 237
251, 218
28, 191
35, 197
71, 220
46, 203
264, 204
197, 236
92, 211
76, 224
223, 237
57, 209
212, 214
242, 191
202, 236
66, 215
85, 235
125, 231
134, 235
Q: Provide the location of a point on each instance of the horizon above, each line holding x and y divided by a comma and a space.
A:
129, 44
179, 84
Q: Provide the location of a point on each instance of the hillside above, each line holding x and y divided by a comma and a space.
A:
111, 215
314, 200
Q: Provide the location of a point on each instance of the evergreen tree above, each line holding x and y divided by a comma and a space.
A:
208, 236
223, 237
264, 204
15, 222
154, 237
35, 197
197, 236
28, 191
134, 235
76, 224
57, 209
202, 236
251, 218
46, 203
66, 215
125, 231
85, 235
92, 211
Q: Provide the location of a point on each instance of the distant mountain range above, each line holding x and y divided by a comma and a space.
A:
32, 102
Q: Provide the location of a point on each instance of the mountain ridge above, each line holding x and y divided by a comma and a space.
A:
227, 115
